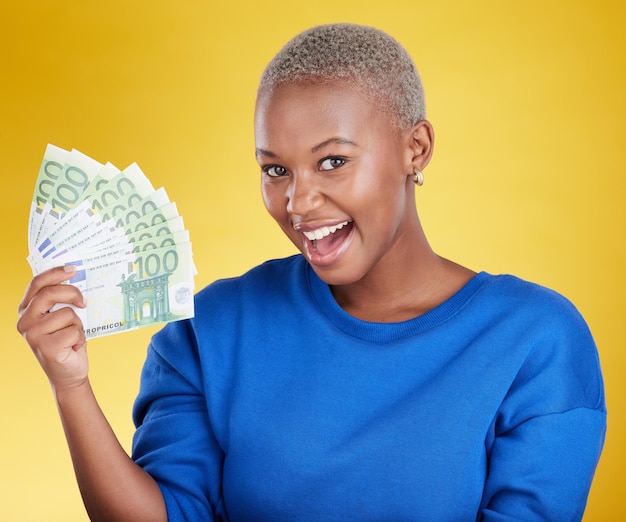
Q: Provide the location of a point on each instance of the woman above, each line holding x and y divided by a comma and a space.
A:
366, 378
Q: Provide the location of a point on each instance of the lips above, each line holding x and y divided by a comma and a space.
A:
325, 243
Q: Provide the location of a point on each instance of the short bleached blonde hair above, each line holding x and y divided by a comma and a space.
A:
364, 56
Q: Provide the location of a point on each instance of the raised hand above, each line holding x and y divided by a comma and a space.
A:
55, 337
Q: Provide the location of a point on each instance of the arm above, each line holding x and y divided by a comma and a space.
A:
177, 440
542, 469
112, 485
547, 437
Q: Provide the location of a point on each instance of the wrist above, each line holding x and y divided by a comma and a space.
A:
67, 392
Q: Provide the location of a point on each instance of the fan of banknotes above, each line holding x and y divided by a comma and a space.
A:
129, 245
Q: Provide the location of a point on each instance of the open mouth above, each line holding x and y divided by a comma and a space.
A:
325, 240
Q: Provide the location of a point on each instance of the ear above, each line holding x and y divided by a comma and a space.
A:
421, 143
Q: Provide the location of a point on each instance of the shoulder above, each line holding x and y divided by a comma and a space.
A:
549, 321
220, 308
227, 302
512, 287
557, 367
268, 276
532, 305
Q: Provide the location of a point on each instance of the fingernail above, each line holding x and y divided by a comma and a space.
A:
70, 269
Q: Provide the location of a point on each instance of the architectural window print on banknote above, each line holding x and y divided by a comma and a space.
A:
129, 245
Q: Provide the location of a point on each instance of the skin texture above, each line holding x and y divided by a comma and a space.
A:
349, 162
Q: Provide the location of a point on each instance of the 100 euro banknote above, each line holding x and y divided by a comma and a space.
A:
133, 256
133, 290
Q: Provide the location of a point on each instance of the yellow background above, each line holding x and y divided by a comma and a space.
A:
528, 104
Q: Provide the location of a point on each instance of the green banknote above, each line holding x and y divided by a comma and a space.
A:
63, 195
78, 172
136, 289
49, 171
133, 255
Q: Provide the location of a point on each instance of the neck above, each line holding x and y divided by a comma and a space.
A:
404, 286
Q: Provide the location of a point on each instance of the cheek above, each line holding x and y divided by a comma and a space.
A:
274, 201
381, 183
383, 194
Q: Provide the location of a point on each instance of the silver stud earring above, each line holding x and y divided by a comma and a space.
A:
418, 177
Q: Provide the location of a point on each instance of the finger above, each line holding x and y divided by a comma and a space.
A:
46, 289
60, 354
39, 332
60, 319
50, 277
49, 296
72, 336
37, 312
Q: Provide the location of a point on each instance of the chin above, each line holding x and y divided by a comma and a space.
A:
336, 276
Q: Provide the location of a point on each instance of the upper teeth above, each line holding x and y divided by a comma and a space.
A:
324, 231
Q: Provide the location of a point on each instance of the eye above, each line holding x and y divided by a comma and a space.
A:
274, 171
332, 163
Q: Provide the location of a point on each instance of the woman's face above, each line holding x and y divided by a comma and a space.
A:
335, 177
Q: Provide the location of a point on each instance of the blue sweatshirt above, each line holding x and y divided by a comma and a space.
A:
275, 404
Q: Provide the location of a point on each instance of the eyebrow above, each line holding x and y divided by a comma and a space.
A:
263, 152
337, 140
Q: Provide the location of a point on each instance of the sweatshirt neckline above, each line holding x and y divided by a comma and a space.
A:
389, 332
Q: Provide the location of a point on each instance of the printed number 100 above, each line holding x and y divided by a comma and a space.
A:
153, 265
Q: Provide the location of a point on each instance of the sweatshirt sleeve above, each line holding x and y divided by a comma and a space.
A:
174, 440
547, 437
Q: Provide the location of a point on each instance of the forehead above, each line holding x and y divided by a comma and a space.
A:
338, 107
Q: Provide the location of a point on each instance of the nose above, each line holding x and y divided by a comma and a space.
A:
303, 194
